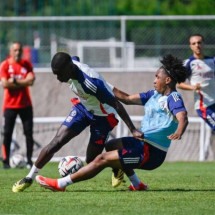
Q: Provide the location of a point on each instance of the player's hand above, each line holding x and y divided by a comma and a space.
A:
138, 134
174, 136
197, 87
10, 80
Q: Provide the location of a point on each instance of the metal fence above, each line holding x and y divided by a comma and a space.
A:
113, 42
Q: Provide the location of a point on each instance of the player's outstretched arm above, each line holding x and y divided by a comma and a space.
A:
125, 117
186, 86
126, 98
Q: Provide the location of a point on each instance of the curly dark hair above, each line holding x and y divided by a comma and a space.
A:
174, 68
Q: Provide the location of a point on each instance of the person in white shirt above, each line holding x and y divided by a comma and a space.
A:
201, 76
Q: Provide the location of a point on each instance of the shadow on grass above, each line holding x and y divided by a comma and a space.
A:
123, 190
182, 190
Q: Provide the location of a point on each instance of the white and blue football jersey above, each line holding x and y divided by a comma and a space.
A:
202, 71
159, 120
92, 90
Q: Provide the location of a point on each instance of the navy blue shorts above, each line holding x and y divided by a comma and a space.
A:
100, 126
140, 155
208, 115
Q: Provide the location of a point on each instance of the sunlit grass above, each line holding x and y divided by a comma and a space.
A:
175, 188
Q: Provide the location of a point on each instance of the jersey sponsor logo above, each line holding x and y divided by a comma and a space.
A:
198, 66
207, 75
90, 85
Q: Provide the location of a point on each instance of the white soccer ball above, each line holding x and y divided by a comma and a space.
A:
17, 161
69, 165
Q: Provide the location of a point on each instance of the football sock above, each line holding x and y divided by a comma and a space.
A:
134, 180
33, 172
65, 181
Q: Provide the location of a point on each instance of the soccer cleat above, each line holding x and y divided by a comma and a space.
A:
141, 187
117, 177
22, 184
49, 183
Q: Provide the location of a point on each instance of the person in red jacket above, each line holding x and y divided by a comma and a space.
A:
16, 75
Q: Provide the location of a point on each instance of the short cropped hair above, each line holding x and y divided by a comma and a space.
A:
15, 42
60, 61
197, 35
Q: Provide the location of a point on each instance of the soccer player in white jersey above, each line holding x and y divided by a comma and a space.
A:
96, 106
165, 119
201, 75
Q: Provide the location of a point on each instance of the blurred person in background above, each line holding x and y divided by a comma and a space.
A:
16, 75
201, 75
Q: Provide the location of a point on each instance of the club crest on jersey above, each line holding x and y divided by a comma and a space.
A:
163, 103
197, 66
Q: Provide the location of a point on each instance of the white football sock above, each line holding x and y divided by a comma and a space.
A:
65, 181
134, 180
33, 172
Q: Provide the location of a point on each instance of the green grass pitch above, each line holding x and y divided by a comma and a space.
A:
174, 188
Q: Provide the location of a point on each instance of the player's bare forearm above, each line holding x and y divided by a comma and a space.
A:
182, 125
185, 86
28, 81
25, 82
13, 83
120, 95
126, 98
125, 117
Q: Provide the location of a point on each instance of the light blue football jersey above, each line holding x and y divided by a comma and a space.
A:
159, 120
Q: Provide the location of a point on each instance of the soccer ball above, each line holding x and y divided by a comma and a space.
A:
17, 161
69, 165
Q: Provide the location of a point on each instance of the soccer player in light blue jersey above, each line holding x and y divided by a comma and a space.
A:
95, 106
165, 119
